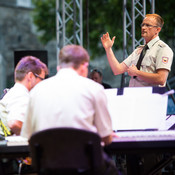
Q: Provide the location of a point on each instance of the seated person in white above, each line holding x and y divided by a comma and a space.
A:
28, 72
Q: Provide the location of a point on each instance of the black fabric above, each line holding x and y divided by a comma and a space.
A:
110, 167
106, 86
141, 57
69, 151
159, 90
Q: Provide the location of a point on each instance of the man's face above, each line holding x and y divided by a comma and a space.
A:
149, 29
96, 77
37, 78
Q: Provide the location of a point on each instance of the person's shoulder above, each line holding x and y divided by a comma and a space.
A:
164, 47
16, 92
44, 85
91, 83
162, 44
106, 86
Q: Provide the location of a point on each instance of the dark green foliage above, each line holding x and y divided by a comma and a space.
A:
44, 16
104, 15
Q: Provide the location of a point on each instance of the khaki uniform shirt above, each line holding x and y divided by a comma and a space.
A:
158, 56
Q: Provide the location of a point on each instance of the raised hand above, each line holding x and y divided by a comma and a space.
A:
106, 41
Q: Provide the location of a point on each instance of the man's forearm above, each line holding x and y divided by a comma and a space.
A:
158, 78
116, 67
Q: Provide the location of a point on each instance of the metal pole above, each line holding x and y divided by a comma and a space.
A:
153, 6
64, 23
87, 24
124, 29
74, 20
57, 29
144, 8
124, 40
133, 24
81, 22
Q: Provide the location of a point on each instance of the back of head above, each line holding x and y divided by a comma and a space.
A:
73, 56
158, 18
29, 64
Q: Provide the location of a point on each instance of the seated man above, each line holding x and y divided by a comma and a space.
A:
28, 72
69, 99
97, 76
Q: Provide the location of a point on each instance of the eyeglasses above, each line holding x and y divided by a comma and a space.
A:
147, 25
36, 75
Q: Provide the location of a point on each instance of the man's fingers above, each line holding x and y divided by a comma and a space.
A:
113, 39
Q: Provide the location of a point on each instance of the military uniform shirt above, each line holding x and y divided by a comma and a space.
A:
158, 56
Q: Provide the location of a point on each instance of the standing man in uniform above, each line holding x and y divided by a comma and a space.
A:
150, 69
156, 64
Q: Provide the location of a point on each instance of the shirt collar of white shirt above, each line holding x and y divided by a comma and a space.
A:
67, 70
20, 86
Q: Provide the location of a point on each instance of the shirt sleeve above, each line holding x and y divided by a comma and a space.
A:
17, 108
164, 58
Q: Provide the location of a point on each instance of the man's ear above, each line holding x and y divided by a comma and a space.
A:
29, 75
79, 69
159, 29
83, 69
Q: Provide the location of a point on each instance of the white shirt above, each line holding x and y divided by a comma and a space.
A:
68, 100
16, 102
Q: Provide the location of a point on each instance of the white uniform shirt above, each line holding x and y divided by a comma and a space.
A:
158, 56
16, 102
68, 100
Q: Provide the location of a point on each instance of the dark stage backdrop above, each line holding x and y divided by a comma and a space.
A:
41, 54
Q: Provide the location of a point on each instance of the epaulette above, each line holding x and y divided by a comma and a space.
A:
161, 45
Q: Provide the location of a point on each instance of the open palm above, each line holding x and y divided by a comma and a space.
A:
106, 41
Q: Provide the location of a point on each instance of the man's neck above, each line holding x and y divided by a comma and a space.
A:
24, 83
149, 39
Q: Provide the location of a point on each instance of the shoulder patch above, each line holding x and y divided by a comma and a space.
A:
165, 60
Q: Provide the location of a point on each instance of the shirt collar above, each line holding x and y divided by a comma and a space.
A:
67, 70
153, 41
20, 86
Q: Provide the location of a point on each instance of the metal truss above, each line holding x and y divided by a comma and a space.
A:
69, 22
130, 16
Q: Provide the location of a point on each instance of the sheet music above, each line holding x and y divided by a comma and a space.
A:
137, 108
16, 140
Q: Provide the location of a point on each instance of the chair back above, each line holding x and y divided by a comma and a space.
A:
66, 150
